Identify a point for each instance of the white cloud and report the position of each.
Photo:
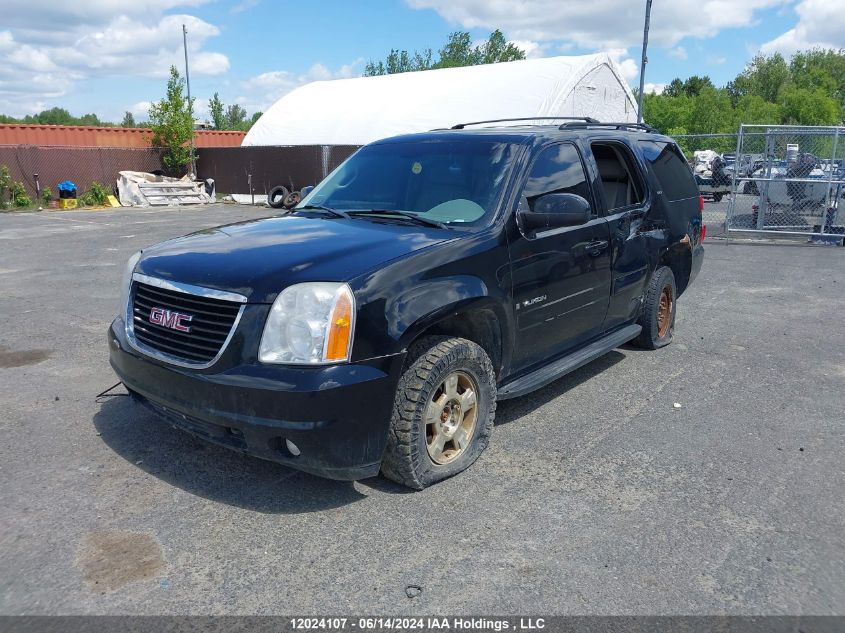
(821, 23)
(600, 24)
(630, 67)
(262, 91)
(142, 109)
(99, 39)
(244, 5)
(44, 15)
(654, 89)
(679, 52)
(531, 48)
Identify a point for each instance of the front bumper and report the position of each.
(337, 416)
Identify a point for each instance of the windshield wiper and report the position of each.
(402, 214)
(320, 207)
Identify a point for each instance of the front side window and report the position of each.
(672, 173)
(557, 169)
(454, 182)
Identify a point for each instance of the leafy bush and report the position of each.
(46, 195)
(19, 195)
(96, 196)
(5, 185)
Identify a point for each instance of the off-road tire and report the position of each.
(653, 335)
(430, 360)
(276, 196)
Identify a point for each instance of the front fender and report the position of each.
(415, 309)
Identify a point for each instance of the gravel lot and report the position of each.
(596, 496)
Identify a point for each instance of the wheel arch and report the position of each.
(678, 257)
(479, 320)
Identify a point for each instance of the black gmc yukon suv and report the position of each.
(375, 326)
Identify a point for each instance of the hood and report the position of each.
(261, 257)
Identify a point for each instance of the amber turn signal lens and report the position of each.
(340, 328)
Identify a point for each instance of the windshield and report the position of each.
(453, 182)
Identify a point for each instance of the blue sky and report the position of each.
(113, 55)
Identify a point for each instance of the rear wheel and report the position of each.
(443, 412)
(658, 314)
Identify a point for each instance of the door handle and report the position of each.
(596, 247)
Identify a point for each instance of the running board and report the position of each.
(543, 376)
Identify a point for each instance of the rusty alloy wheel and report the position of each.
(665, 311)
(450, 417)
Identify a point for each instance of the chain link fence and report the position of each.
(716, 194)
(792, 181)
(40, 167)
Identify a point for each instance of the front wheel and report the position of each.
(443, 412)
(658, 314)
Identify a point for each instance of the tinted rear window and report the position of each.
(672, 173)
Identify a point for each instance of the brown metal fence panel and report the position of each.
(81, 165)
(230, 167)
(291, 166)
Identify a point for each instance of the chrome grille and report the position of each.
(211, 323)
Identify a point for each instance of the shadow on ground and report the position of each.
(512, 410)
(213, 472)
(210, 471)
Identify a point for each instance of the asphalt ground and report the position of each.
(596, 496)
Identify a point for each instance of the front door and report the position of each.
(560, 278)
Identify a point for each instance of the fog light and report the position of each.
(293, 448)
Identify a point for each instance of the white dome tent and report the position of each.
(361, 110)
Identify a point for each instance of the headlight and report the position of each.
(309, 324)
(126, 284)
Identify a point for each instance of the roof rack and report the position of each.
(581, 119)
(616, 126)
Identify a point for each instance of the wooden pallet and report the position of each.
(161, 194)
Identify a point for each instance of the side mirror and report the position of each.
(306, 190)
(553, 211)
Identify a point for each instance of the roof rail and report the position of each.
(616, 126)
(582, 119)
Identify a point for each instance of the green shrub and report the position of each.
(19, 195)
(5, 186)
(46, 195)
(96, 196)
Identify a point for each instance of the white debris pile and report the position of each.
(142, 189)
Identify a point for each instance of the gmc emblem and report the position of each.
(170, 319)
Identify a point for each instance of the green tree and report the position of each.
(764, 77)
(668, 113)
(755, 109)
(820, 69)
(801, 106)
(690, 87)
(235, 117)
(497, 49)
(215, 108)
(173, 125)
(128, 120)
(53, 116)
(255, 117)
(457, 51)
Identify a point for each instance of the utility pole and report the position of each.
(190, 103)
(644, 61)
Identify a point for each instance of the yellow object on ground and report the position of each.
(67, 203)
(113, 201)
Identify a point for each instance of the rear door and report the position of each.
(626, 205)
(677, 205)
(560, 278)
